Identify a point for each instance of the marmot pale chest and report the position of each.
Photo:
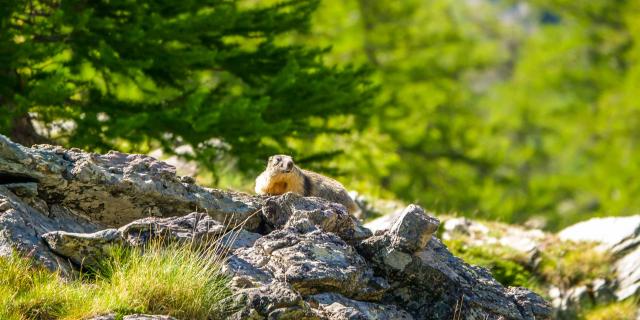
(282, 176)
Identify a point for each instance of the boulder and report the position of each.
(616, 234)
(24, 220)
(117, 188)
(412, 230)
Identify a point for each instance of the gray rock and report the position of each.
(196, 227)
(117, 188)
(628, 274)
(620, 236)
(615, 233)
(317, 262)
(598, 292)
(531, 305)
(306, 214)
(463, 226)
(87, 249)
(21, 225)
(413, 229)
(434, 280)
(147, 317)
(245, 266)
(236, 239)
(25, 189)
(273, 301)
(84, 249)
(337, 307)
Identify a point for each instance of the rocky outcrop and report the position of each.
(47, 188)
(621, 237)
(287, 257)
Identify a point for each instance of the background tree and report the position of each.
(131, 75)
(508, 110)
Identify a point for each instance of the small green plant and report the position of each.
(173, 279)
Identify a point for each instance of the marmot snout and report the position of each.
(282, 176)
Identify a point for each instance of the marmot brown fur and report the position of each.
(282, 176)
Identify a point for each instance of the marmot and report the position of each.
(282, 176)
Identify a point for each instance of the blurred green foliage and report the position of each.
(507, 110)
(136, 75)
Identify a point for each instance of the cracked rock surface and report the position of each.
(288, 257)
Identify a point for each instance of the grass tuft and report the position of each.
(173, 279)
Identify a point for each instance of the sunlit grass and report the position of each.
(172, 280)
(507, 265)
(624, 310)
(562, 264)
(568, 263)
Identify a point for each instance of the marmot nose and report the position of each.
(289, 165)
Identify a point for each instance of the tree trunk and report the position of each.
(24, 133)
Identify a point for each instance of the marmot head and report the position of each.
(280, 164)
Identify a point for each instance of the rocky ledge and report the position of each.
(288, 257)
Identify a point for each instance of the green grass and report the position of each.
(566, 263)
(171, 280)
(623, 310)
(563, 264)
(506, 265)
